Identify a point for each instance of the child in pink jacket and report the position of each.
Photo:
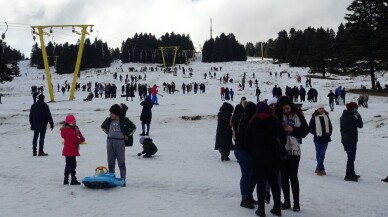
(72, 138)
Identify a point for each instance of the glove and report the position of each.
(51, 126)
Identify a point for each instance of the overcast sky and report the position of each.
(116, 20)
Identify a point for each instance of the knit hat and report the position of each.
(115, 109)
(141, 140)
(352, 105)
(320, 105)
(70, 119)
(262, 107)
(272, 101)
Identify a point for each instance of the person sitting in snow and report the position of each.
(149, 148)
(89, 97)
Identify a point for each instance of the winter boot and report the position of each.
(34, 153)
(245, 203)
(296, 207)
(142, 134)
(385, 180)
(42, 154)
(74, 181)
(251, 200)
(276, 211)
(267, 197)
(260, 211)
(66, 180)
(286, 205)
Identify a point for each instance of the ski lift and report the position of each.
(3, 36)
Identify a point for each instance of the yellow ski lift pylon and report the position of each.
(175, 48)
(41, 33)
(192, 55)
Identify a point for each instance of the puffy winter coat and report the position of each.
(348, 126)
(224, 130)
(262, 137)
(71, 140)
(146, 113)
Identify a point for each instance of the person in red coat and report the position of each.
(72, 137)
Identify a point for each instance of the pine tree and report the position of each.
(367, 36)
(15, 69)
(5, 72)
(281, 45)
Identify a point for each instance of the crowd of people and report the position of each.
(266, 139)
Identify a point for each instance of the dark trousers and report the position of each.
(248, 178)
(331, 104)
(263, 174)
(351, 150)
(71, 165)
(38, 132)
(289, 174)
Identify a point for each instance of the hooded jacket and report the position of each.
(224, 130)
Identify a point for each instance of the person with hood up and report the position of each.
(349, 122)
(296, 128)
(240, 122)
(263, 135)
(72, 137)
(320, 126)
(146, 115)
(224, 142)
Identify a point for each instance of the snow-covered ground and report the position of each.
(186, 177)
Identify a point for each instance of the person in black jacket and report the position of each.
(331, 96)
(242, 153)
(296, 128)
(40, 116)
(320, 126)
(349, 122)
(149, 148)
(263, 135)
(224, 142)
(146, 115)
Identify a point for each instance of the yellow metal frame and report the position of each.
(185, 52)
(175, 51)
(41, 35)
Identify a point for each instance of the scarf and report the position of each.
(293, 145)
(318, 126)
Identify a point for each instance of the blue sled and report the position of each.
(103, 181)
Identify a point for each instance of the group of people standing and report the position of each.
(267, 144)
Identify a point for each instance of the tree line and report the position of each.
(144, 48)
(360, 46)
(223, 48)
(9, 58)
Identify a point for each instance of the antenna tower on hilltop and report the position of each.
(211, 29)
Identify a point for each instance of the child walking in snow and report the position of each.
(72, 138)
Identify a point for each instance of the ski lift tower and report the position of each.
(41, 33)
